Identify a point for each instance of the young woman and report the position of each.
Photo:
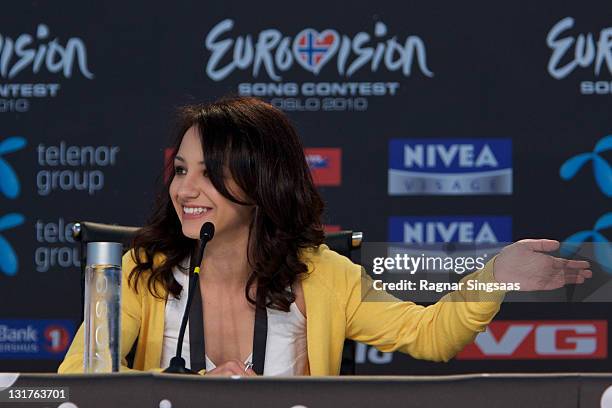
(240, 165)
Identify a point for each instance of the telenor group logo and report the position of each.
(9, 265)
(444, 229)
(325, 165)
(602, 171)
(602, 248)
(10, 188)
(9, 183)
(537, 340)
(450, 167)
(35, 339)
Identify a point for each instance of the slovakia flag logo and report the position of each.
(314, 49)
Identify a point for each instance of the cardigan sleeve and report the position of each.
(435, 332)
(131, 310)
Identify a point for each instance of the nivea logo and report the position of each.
(450, 166)
(274, 52)
(461, 156)
(34, 52)
(443, 229)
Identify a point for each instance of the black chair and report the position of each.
(347, 243)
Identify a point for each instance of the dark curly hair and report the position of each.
(265, 157)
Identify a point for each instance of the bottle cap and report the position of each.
(104, 253)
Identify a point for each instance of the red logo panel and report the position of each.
(325, 165)
(539, 340)
(57, 339)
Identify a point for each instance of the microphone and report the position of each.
(177, 363)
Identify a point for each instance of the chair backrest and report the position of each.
(347, 243)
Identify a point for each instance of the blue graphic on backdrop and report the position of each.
(444, 229)
(8, 258)
(601, 168)
(317, 162)
(9, 183)
(602, 248)
(450, 167)
(9, 187)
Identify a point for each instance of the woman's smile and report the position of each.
(195, 212)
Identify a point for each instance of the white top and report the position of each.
(286, 352)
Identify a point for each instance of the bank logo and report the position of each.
(589, 51)
(315, 49)
(325, 165)
(57, 338)
(450, 167)
(35, 339)
(444, 229)
(602, 248)
(602, 171)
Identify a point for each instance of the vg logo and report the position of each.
(10, 188)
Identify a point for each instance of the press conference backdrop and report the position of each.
(422, 122)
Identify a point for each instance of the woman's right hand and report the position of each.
(232, 367)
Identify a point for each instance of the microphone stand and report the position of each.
(177, 363)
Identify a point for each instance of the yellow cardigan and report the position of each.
(335, 310)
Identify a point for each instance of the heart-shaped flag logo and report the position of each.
(313, 49)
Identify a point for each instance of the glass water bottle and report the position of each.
(103, 307)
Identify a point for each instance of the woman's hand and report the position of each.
(525, 263)
(232, 367)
